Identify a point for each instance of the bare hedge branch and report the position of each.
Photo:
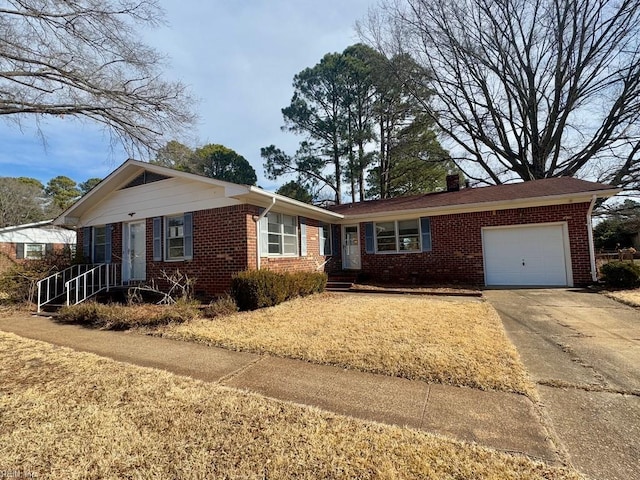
(85, 58)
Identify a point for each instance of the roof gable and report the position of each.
(142, 188)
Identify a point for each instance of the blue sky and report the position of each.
(238, 58)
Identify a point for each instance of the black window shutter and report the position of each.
(86, 244)
(19, 251)
(335, 240)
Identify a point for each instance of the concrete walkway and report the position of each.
(503, 421)
(583, 350)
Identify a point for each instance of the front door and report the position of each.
(350, 247)
(135, 255)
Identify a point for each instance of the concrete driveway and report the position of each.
(583, 351)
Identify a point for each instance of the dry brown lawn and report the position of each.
(71, 415)
(422, 338)
(630, 297)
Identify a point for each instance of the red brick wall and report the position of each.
(80, 243)
(221, 239)
(457, 246)
(312, 262)
(224, 243)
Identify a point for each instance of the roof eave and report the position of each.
(485, 206)
(262, 198)
(26, 225)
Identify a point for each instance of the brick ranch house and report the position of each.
(145, 219)
(32, 241)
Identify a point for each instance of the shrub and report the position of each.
(254, 289)
(620, 274)
(179, 312)
(306, 283)
(19, 282)
(121, 317)
(92, 314)
(220, 307)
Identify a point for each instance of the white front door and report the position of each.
(350, 247)
(135, 255)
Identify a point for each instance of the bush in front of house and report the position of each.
(18, 283)
(308, 283)
(253, 289)
(121, 317)
(621, 274)
(220, 307)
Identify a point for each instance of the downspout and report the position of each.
(592, 252)
(257, 220)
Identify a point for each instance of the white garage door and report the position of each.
(526, 256)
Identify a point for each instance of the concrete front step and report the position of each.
(333, 286)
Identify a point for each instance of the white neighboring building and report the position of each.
(33, 240)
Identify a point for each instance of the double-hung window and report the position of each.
(175, 237)
(398, 236)
(279, 235)
(34, 251)
(96, 244)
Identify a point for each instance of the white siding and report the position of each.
(47, 234)
(165, 197)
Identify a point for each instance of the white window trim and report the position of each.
(165, 239)
(397, 238)
(42, 246)
(281, 235)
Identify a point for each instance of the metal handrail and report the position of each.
(54, 285)
(91, 282)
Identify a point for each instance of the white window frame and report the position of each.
(42, 247)
(167, 238)
(280, 234)
(95, 244)
(396, 237)
(325, 240)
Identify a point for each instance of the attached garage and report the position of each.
(527, 255)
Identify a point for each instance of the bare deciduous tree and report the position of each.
(85, 58)
(526, 89)
(21, 201)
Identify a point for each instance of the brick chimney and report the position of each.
(453, 182)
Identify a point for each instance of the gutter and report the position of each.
(257, 220)
(479, 206)
(592, 251)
